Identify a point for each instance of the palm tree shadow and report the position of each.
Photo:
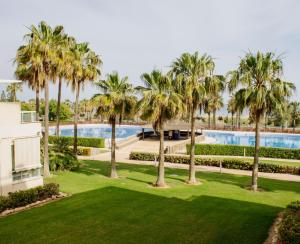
(201, 219)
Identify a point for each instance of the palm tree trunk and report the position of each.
(208, 120)
(192, 170)
(256, 154)
(231, 121)
(37, 102)
(294, 125)
(239, 121)
(161, 168)
(214, 119)
(77, 90)
(266, 121)
(113, 171)
(46, 135)
(58, 106)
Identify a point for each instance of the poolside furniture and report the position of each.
(174, 130)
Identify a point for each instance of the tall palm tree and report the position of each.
(85, 67)
(61, 67)
(260, 75)
(160, 102)
(29, 67)
(214, 86)
(46, 41)
(192, 70)
(295, 113)
(116, 101)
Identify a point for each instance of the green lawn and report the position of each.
(129, 210)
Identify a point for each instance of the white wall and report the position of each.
(10, 113)
(11, 129)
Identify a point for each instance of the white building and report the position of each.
(20, 134)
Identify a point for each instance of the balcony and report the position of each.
(28, 117)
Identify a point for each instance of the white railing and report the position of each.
(28, 116)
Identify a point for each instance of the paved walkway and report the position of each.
(122, 156)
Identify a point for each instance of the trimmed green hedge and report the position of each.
(23, 198)
(226, 163)
(289, 229)
(83, 141)
(237, 150)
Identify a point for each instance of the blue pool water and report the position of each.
(248, 139)
(101, 130)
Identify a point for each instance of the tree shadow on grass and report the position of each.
(117, 215)
(103, 168)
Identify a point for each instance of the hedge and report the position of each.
(23, 198)
(226, 163)
(289, 229)
(237, 150)
(83, 141)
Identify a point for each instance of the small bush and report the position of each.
(61, 161)
(82, 141)
(226, 163)
(289, 229)
(61, 156)
(4, 203)
(84, 151)
(237, 150)
(23, 198)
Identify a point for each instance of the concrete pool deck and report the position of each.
(122, 156)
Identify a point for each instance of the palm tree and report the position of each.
(29, 67)
(160, 102)
(231, 108)
(214, 86)
(116, 101)
(61, 67)
(12, 90)
(85, 67)
(239, 105)
(260, 75)
(208, 108)
(86, 107)
(295, 113)
(192, 70)
(46, 42)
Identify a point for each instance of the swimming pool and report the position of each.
(248, 139)
(98, 130)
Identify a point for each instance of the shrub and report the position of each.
(4, 203)
(23, 198)
(226, 163)
(82, 141)
(237, 150)
(289, 229)
(61, 156)
(61, 161)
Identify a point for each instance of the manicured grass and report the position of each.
(129, 210)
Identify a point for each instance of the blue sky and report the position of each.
(135, 36)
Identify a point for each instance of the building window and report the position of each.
(21, 175)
